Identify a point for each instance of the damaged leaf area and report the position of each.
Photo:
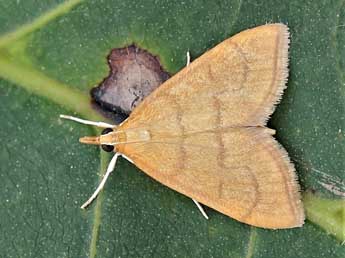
(134, 74)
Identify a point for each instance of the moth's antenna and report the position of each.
(110, 169)
(88, 122)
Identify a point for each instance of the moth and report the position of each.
(203, 132)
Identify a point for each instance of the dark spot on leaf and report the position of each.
(134, 74)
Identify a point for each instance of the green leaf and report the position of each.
(53, 52)
(329, 214)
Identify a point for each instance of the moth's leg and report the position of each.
(201, 209)
(188, 58)
(124, 156)
(110, 169)
(88, 122)
(196, 202)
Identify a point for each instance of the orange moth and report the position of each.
(203, 132)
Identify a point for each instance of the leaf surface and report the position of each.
(53, 52)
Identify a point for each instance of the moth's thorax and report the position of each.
(125, 136)
(137, 135)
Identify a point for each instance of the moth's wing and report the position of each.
(242, 78)
(241, 172)
(199, 143)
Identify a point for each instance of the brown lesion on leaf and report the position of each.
(134, 74)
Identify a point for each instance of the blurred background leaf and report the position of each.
(53, 52)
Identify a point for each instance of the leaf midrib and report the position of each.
(251, 242)
(41, 85)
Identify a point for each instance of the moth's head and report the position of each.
(106, 140)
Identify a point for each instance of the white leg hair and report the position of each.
(201, 209)
(110, 169)
(124, 156)
(88, 122)
(188, 58)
